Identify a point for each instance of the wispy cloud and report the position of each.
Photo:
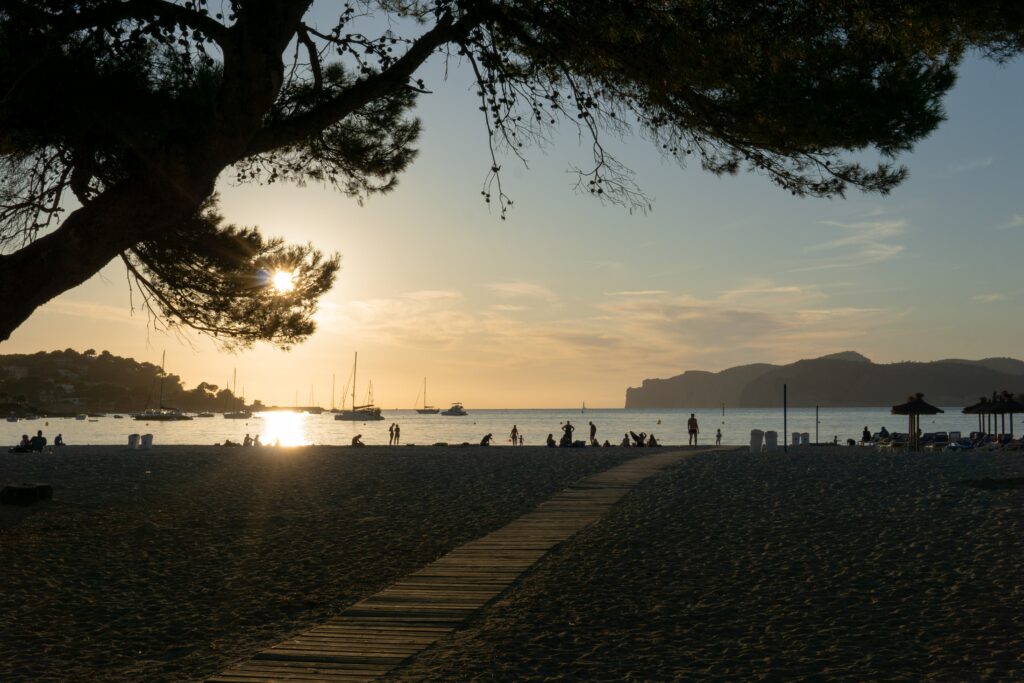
(1017, 221)
(638, 292)
(530, 290)
(86, 309)
(864, 243)
(969, 165)
(990, 298)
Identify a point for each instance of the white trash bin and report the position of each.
(133, 441)
(771, 441)
(147, 442)
(756, 437)
(805, 438)
(796, 439)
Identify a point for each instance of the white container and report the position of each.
(796, 439)
(805, 438)
(133, 441)
(771, 441)
(147, 442)
(756, 437)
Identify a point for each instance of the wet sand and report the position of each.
(170, 565)
(825, 564)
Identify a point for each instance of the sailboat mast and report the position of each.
(424, 392)
(332, 391)
(355, 364)
(163, 361)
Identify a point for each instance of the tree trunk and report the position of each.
(89, 239)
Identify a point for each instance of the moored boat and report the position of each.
(455, 411)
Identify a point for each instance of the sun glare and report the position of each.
(283, 428)
(283, 281)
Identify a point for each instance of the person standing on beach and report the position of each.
(593, 432)
(514, 436)
(693, 429)
(718, 437)
(397, 433)
(391, 434)
(568, 429)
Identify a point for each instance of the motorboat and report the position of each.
(238, 415)
(162, 415)
(455, 411)
(198, 415)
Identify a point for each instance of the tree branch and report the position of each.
(360, 94)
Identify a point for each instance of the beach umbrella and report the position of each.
(1007, 404)
(913, 409)
(980, 408)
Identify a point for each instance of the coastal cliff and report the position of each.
(845, 379)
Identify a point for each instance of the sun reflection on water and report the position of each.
(286, 428)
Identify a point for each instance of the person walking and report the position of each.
(513, 436)
(593, 432)
(693, 429)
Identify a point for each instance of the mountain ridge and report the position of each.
(840, 380)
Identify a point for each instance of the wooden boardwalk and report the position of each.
(385, 630)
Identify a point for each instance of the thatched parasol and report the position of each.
(1006, 404)
(913, 408)
(982, 409)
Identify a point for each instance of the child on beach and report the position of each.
(718, 437)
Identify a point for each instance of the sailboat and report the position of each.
(237, 414)
(161, 414)
(583, 409)
(363, 413)
(427, 410)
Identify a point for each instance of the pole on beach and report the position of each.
(785, 425)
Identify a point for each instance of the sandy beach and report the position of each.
(827, 564)
(170, 565)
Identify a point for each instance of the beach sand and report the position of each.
(823, 564)
(171, 564)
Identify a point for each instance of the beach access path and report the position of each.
(388, 629)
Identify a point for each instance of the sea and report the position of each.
(669, 426)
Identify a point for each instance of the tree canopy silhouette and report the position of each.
(118, 116)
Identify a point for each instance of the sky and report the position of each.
(568, 301)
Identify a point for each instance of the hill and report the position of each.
(68, 382)
(845, 379)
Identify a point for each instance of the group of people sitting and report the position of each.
(36, 444)
(247, 442)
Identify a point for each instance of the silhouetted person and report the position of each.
(58, 440)
(693, 429)
(652, 442)
(718, 437)
(607, 443)
(24, 446)
(865, 435)
(594, 441)
(357, 440)
(593, 432)
(514, 435)
(884, 433)
(638, 439)
(398, 434)
(391, 434)
(522, 439)
(568, 429)
(551, 441)
(247, 441)
(37, 442)
(256, 440)
(486, 441)
(625, 441)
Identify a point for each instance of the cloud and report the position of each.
(529, 290)
(864, 243)
(969, 165)
(990, 298)
(639, 292)
(85, 309)
(1017, 221)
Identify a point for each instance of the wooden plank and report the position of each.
(372, 637)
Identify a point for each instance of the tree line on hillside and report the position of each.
(62, 382)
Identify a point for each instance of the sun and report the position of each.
(283, 281)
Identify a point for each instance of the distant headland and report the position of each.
(846, 379)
